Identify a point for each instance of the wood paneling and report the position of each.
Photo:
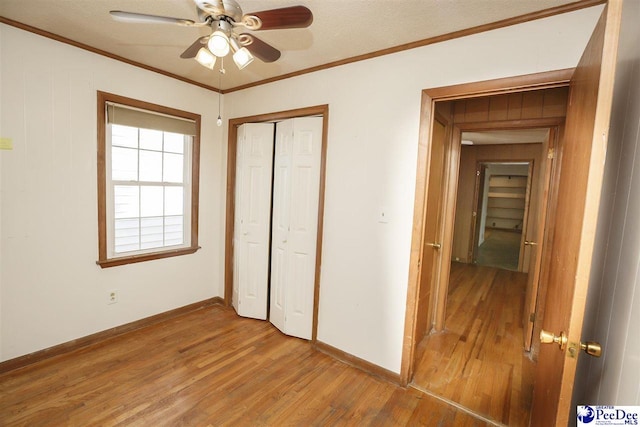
(530, 105)
(211, 367)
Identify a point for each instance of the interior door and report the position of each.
(431, 248)
(529, 225)
(295, 220)
(579, 189)
(536, 240)
(252, 219)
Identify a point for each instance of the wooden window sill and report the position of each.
(114, 262)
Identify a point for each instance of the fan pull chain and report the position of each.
(222, 71)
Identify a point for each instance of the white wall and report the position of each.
(52, 291)
(374, 109)
(612, 315)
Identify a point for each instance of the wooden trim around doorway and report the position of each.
(319, 110)
(536, 81)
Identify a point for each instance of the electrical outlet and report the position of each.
(113, 297)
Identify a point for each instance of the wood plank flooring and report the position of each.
(210, 368)
(500, 249)
(479, 361)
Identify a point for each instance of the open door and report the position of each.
(579, 188)
(534, 243)
(431, 244)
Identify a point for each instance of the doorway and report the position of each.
(478, 311)
(498, 191)
(235, 230)
(501, 210)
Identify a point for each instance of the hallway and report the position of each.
(478, 361)
(500, 249)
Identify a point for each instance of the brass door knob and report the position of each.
(434, 245)
(529, 243)
(551, 338)
(592, 348)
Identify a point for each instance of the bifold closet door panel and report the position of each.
(252, 219)
(295, 222)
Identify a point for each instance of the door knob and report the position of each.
(551, 338)
(591, 348)
(434, 245)
(529, 243)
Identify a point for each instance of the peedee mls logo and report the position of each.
(608, 415)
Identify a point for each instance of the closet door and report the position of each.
(252, 219)
(295, 220)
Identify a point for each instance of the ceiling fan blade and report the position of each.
(275, 19)
(143, 18)
(261, 50)
(192, 50)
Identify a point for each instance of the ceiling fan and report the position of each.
(224, 17)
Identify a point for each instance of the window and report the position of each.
(148, 170)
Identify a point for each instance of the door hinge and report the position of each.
(551, 153)
(477, 173)
(532, 317)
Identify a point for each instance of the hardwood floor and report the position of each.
(210, 368)
(479, 361)
(500, 249)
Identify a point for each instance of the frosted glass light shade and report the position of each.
(206, 58)
(219, 44)
(242, 57)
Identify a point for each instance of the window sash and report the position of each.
(141, 247)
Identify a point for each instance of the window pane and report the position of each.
(151, 201)
(126, 201)
(174, 142)
(173, 230)
(173, 167)
(151, 231)
(173, 201)
(151, 139)
(150, 166)
(124, 136)
(124, 164)
(127, 235)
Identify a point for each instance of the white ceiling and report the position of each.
(341, 29)
(514, 136)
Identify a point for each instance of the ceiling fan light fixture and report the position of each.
(242, 57)
(219, 44)
(206, 58)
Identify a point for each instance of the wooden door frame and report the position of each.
(477, 203)
(545, 80)
(318, 110)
